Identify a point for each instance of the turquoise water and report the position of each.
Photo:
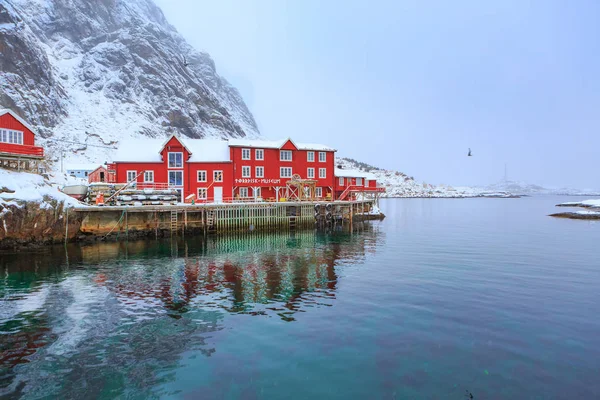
(441, 300)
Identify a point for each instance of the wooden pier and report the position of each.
(207, 219)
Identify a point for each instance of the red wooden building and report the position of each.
(261, 168)
(349, 183)
(192, 166)
(17, 142)
(102, 174)
(226, 170)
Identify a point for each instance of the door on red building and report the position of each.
(218, 191)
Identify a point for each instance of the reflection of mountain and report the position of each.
(118, 312)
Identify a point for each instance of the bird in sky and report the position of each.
(469, 152)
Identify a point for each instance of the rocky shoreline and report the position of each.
(25, 224)
(591, 212)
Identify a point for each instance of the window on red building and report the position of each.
(285, 155)
(131, 175)
(260, 172)
(322, 173)
(176, 178)
(245, 154)
(310, 173)
(202, 193)
(310, 156)
(322, 156)
(285, 172)
(260, 154)
(201, 176)
(245, 171)
(319, 192)
(218, 176)
(149, 176)
(175, 160)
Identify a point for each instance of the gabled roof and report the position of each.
(277, 144)
(21, 120)
(169, 139)
(149, 150)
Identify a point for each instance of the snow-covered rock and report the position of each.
(19, 187)
(88, 73)
(585, 203)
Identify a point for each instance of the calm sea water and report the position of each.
(442, 300)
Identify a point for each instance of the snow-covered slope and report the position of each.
(19, 187)
(96, 71)
(527, 189)
(398, 184)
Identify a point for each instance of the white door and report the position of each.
(218, 194)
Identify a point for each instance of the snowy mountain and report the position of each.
(398, 184)
(87, 73)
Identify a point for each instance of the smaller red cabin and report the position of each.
(102, 174)
(17, 139)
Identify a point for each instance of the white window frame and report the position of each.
(246, 152)
(11, 136)
(260, 174)
(177, 171)
(318, 192)
(202, 190)
(218, 173)
(359, 181)
(322, 156)
(341, 181)
(322, 173)
(259, 154)
(129, 173)
(246, 171)
(308, 156)
(256, 192)
(150, 174)
(310, 173)
(243, 192)
(169, 159)
(282, 158)
(282, 175)
(203, 172)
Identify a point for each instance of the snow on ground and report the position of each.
(586, 203)
(22, 186)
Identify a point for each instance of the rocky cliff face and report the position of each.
(93, 71)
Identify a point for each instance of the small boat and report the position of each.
(76, 191)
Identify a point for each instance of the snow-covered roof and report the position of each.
(353, 173)
(208, 150)
(148, 150)
(277, 144)
(81, 167)
(21, 120)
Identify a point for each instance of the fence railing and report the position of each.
(20, 149)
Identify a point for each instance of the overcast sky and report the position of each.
(411, 85)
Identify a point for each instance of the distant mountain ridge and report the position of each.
(89, 72)
(527, 189)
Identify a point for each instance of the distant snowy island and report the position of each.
(399, 184)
